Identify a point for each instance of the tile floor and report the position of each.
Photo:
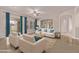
(59, 46)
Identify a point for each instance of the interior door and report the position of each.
(66, 24)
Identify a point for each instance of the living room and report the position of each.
(39, 29)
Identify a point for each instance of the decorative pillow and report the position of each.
(51, 31)
(37, 38)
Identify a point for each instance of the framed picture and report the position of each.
(47, 23)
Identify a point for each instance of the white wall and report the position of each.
(73, 22)
(2, 24)
(74, 13)
(56, 23)
(77, 22)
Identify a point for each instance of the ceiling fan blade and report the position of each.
(32, 11)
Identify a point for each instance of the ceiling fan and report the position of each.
(35, 12)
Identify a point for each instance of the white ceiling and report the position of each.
(49, 11)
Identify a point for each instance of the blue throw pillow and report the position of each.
(51, 31)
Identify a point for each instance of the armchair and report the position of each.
(13, 39)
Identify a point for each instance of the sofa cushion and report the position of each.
(28, 37)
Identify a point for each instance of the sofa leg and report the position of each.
(21, 52)
(43, 51)
(16, 47)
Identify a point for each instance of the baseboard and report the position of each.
(2, 37)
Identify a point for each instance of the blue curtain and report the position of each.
(7, 24)
(21, 25)
(25, 24)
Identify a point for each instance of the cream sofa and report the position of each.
(28, 45)
(28, 37)
(45, 34)
(14, 39)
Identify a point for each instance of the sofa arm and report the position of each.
(41, 44)
(25, 45)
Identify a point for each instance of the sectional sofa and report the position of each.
(27, 44)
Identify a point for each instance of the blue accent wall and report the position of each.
(7, 24)
(25, 24)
